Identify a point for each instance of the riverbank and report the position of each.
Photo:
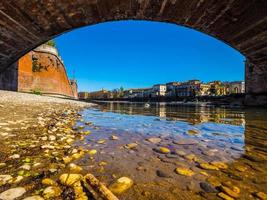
(35, 135)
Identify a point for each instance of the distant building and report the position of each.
(217, 88)
(237, 87)
(171, 89)
(101, 94)
(188, 89)
(83, 95)
(159, 90)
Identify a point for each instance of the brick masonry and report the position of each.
(241, 24)
(44, 72)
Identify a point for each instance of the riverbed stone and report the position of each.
(52, 192)
(114, 137)
(48, 181)
(207, 187)
(261, 195)
(225, 196)
(12, 193)
(92, 152)
(121, 185)
(164, 150)
(4, 179)
(162, 174)
(193, 132)
(220, 165)
(208, 166)
(131, 145)
(184, 171)
(75, 168)
(69, 179)
(154, 140)
(229, 192)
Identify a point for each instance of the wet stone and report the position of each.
(185, 142)
(208, 187)
(162, 174)
(261, 195)
(12, 193)
(154, 140)
(52, 192)
(121, 185)
(225, 196)
(184, 171)
(34, 198)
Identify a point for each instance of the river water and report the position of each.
(212, 153)
(169, 152)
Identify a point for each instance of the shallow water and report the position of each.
(234, 137)
(169, 152)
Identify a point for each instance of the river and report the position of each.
(209, 150)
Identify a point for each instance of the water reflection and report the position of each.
(199, 138)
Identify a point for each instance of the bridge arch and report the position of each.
(241, 24)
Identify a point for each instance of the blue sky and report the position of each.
(139, 54)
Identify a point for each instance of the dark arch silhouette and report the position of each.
(241, 24)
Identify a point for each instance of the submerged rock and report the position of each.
(184, 171)
(225, 196)
(92, 152)
(261, 195)
(12, 193)
(121, 185)
(164, 150)
(75, 168)
(131, 145)
(220, 165)
(208, 166)
(154, 140)
(208, 187)
(114, 137)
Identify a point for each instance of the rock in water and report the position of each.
(121, 185)
(12, 193)
(131, 145)
(154, 140)
(207, 187)
(184, 171)
(69, 179)
(261, 195)
(208, 166)
(162, 174)
(164, 150)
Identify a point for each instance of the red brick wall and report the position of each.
(44, 72)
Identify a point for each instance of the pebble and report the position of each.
(164, 150)
(92, 152)
(37, 197)
(131, 145)
(208, 166)
(261, 195)
(184, 171)
(4, 179)
(208, 187)
(154, 140)
(12, 193)
(15, 156)
(114, 137)
(48, 181)
(229, 192)
(51, 192)
(220, 165)
(75, 168)
(193, 132)
(225, 196)
(121, 185)
(102, 141)
(26, 167)
(69, 179)
(162, 174)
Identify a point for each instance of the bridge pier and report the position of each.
(9, 78)
(256, 84)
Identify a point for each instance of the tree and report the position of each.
(51, 43)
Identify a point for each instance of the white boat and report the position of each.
(147, 105)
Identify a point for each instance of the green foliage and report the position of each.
(51, 43)
(37, 92)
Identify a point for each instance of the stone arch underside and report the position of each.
(241, 24)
